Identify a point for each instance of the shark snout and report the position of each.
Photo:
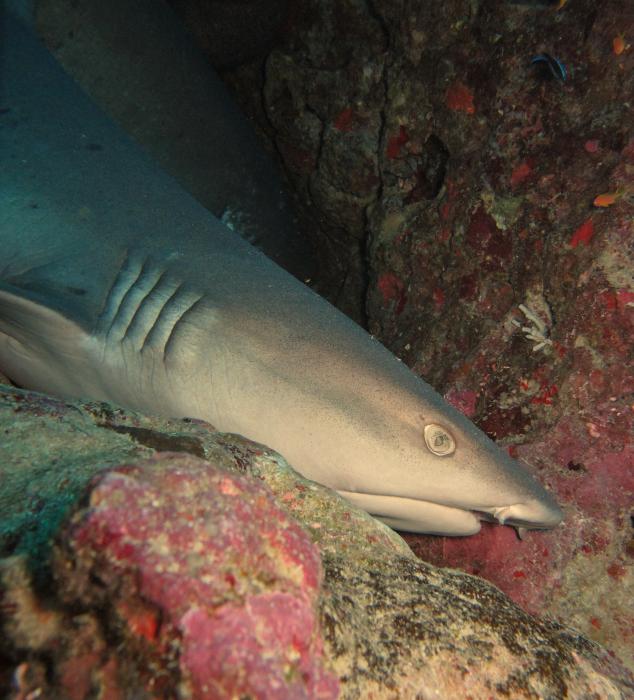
(536, 514)
(448, 480)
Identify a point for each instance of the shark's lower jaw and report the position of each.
(411, 515)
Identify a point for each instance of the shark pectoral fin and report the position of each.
(28, 318)
(31, 333)
(411, 515)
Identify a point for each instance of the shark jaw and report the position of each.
(412, 515)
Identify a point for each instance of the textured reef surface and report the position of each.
(144, 558)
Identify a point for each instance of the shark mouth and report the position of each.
(411, 515)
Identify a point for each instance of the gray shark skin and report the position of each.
(140, 66)
(115, 284)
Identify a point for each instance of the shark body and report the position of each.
(115, 284)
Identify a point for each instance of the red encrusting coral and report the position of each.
(459, 98)
(189, 550)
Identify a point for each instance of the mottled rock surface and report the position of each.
(190, 563)
(453, 181)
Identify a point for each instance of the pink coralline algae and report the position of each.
(344, 120)
(459, 98)
(267, 622)
(393, 289)
(194, 553)
(521, 172)
(465, 401)
(395, 143)
(488, 241)
(583, 234)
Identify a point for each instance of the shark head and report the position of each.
(176, 315)
(426, 468)
(358, 420)
(445, 476)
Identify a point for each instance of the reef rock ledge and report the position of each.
(147, 558)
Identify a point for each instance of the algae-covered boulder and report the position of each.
(149, 558)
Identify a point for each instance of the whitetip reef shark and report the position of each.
(115, 284)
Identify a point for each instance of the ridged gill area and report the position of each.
(144, 306)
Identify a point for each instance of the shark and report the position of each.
(117, 285)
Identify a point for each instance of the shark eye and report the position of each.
(438, 440)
